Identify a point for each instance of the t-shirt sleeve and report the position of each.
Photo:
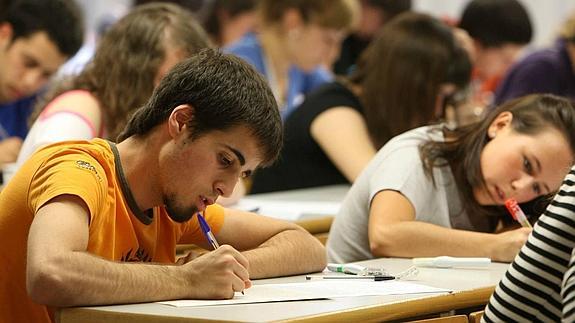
(402, 171)
(214, 216)
(73, 173)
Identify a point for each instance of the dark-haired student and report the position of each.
(549, 70)
(399, 84)
(434, 191)
(499, 30)
(93, 222)
(33, 45)
(101, 98)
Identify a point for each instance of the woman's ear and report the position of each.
(502, 121)
(179, 119)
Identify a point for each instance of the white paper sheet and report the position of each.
(314, 290)
(288, 210)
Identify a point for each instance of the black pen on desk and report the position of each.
(351, 277)
(208, 233)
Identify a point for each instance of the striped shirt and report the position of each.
(540, 283)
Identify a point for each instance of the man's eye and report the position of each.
(225, 161)
(30, 63)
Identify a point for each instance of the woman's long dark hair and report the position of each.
(462, 148)
(401, 72)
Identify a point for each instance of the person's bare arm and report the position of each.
(342, 134)
(393, 232)
(272, 247)
(9, 149)
(61, 273)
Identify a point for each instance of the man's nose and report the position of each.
(225, 187)
(33, 80)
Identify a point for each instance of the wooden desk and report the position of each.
(472, 287)
(318, 225)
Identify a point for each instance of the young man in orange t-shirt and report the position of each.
(77, 212)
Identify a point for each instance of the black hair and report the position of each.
(497, 22)
(224, 91)
(61, 20)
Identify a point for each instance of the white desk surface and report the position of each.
(331, 193)
(471, 287)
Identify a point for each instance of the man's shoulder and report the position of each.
(98, 150)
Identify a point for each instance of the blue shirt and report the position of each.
(14, 117)
(299, 83)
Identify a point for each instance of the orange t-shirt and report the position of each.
(90, 170)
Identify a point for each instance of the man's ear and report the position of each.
(6, 33)
(502, 121)
(179, 119)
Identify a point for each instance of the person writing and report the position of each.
(434, 191)
(401, 83)
(92, 222)
(281, 48)
(33, 45)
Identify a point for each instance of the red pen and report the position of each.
(517, 213)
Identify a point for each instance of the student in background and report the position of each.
(550, 70)
(433, 191)
(400, 83)
(33, 45)
(229, 20)
(130, 60)
(499, 30)
(294, 39)
(539, 284)
(92, 222)
(373, 15)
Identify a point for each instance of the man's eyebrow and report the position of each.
(238, 154)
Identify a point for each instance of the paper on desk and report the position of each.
(314, 290)
(288, 210)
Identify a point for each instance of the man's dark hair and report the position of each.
(224, 91)
(61, 20)
(497, 22)
(391, 8)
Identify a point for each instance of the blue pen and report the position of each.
(207, 231)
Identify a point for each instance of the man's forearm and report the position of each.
(78, 278)
(290, 252)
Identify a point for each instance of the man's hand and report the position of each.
(218, 274)
(9, 149)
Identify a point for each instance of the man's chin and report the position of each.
(182, 216)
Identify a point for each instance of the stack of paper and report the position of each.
(314, 290)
